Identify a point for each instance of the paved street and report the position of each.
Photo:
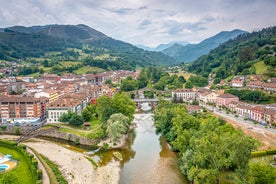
(257, 127)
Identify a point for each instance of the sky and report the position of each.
(145, 22)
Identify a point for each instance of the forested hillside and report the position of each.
(191, 52)
(58, 43)
(251, 53)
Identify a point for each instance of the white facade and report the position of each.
(184, 94)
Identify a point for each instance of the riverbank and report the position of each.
(73, 165)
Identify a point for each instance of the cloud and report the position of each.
(144, 22)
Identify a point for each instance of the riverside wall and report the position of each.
(19, 130)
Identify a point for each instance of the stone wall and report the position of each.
(53, 134)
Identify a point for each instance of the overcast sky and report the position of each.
(147, 22)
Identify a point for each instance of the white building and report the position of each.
(187, 95)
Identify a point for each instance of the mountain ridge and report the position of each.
(19, 42)
(191, 52)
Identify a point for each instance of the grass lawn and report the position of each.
(88, 69)
(261, 68)
(94, 132)
(22, 172)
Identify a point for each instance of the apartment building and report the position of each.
(22, 109)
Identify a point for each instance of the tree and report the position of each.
(65, 117)
(88, 112)
(182, 79)
(103, 108)
(189, 85)
(117, 126)
(119, 103)
(216, 81)
(262, 174)
(76, 120)
(108, 81)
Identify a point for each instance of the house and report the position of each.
(186, 95)
(193, 108)
(260, 85)
(225, 100)
(237, 82)
(207, 97)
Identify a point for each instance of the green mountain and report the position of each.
(75, 43)
(191, 52)
(251, 53)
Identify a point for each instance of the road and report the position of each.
(240, 120)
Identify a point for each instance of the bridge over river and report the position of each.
(152, 101)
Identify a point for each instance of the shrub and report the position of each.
(16, 130)
(3, 128)
(77, 140)
(23, 146)
(34, 162)
(39, 174)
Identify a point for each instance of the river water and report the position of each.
(153, 161)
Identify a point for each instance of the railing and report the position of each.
(28, 132)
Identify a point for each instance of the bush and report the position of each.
(3, 128)
(77, 140)
(39, 174)
(16, 130)
(34, 162)
(23, 146)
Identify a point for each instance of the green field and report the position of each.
(24, 172)
(88, 69)
(261, 68)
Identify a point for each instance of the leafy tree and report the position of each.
(117, 126)
(189, 85)
(182, 79)
(262, 174)
(65, 117)
(119, 103)
(108, 81)
(103, 108)
(129, 84)
(88, 112)
(216, 81)
(76, 120)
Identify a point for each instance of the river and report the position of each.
(153, 162)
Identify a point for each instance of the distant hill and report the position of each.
(83, 42)
(162, 47)
(251, 53)
(191, 52)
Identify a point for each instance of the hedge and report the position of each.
(263, 153)
(258, 153)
